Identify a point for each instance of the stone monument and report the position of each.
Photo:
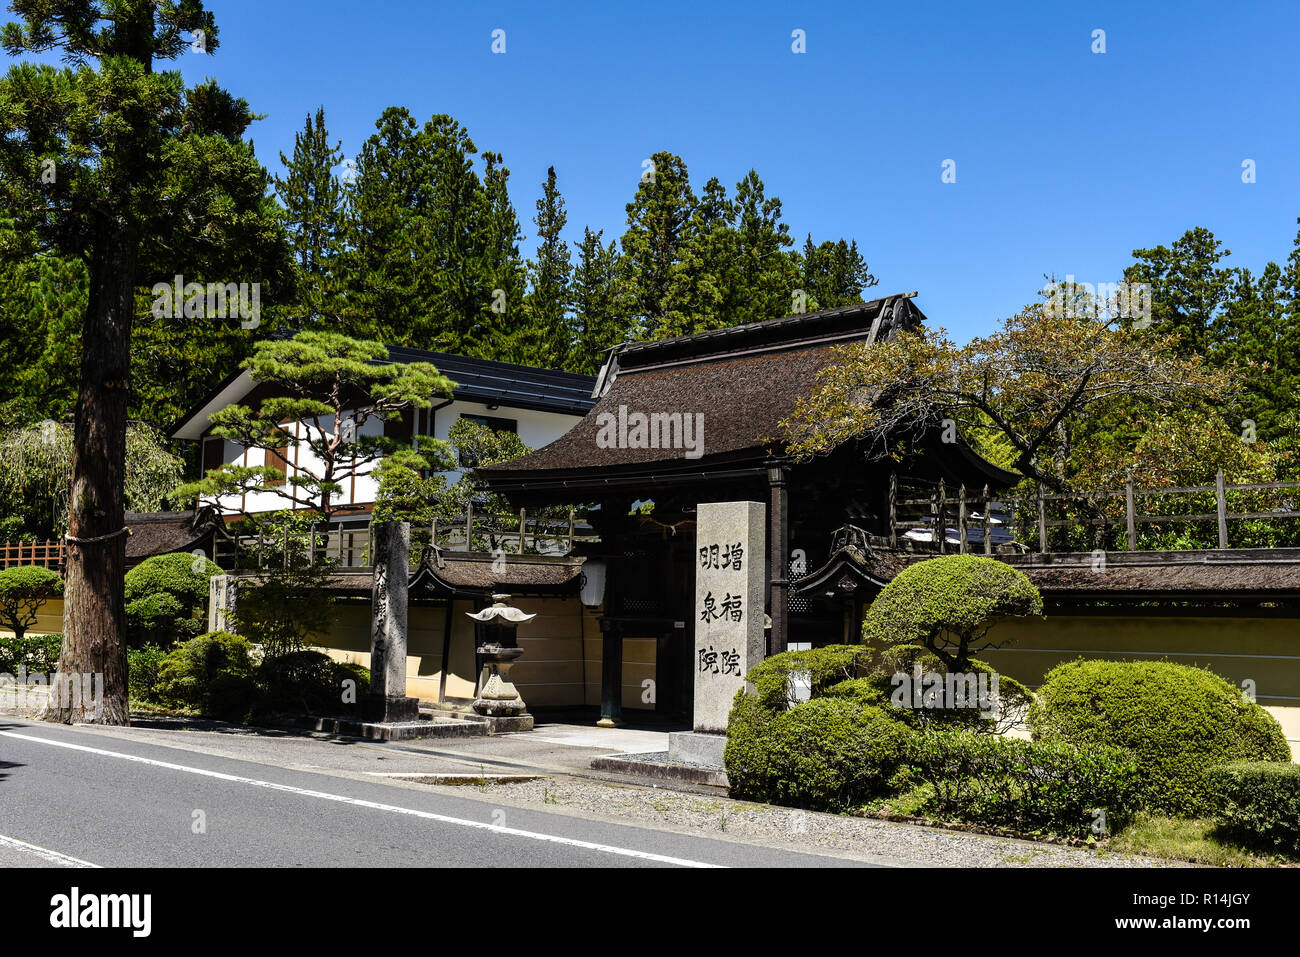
(222, 598)
(730, 562)
(387, 701)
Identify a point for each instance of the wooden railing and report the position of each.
(44, 554)
(351, 547)
(1101, 512)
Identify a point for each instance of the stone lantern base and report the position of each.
(499, 701)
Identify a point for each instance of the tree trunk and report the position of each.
(94, 638)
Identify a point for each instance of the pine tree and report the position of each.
(313, 201)
(1188, 287)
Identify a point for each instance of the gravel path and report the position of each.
(882, 841)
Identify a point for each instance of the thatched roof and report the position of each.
(742, 380)
(445, 573)
(157, 533)
(1238, 574)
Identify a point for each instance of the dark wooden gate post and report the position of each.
(779, 558)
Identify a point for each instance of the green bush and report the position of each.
(1178, 721)
(167, 597)
(1030, 786)
(1257, 803)
(39, 654)
(1010, 699)
(309, 682)
(142, 667)
(825, 754)
(822, 666)
(947, 605)
(212, 674)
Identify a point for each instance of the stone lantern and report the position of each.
(498, 699)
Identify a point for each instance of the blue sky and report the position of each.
(1066, 159)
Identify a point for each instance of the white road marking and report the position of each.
(374, 805)
(54, 857)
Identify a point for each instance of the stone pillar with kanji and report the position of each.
(730, 549)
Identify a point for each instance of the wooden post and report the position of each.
(988, 524)
(522, 530)
(1220, 494)
(941, 520)
(778, 559)
(433, 535)
(1130, 514)
(893, 510)
(571, 535)
(469, 525)
(1042, 520)
(961, 516)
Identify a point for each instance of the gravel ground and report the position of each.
(884, 841)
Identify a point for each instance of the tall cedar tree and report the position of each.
(704, 283)
(89, 157)
(549, 274)
(599, 301)
(313, 201)
(833, 274)
(500, 328)
(766, 273)
(429, 242)
(658, 223)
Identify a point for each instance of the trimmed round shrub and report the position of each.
(948, 604)
(1029, 786)
(212, 674)
(309, 682)
(827, 754)
(1178, 721)
(913, 685)
(1257, 803)
(167, 598)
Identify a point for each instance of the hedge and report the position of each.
(1030, 786)
(309, 682)
(1257, 803)
(826, 754)
(39, 654)
(1178, 721)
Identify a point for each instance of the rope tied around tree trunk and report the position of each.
(68, 536)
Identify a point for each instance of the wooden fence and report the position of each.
(44, 554)
(1101, 512)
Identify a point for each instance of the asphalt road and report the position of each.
(71, 797)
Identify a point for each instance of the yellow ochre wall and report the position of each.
(562, 641)
(49, 619)
(1263, 650)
